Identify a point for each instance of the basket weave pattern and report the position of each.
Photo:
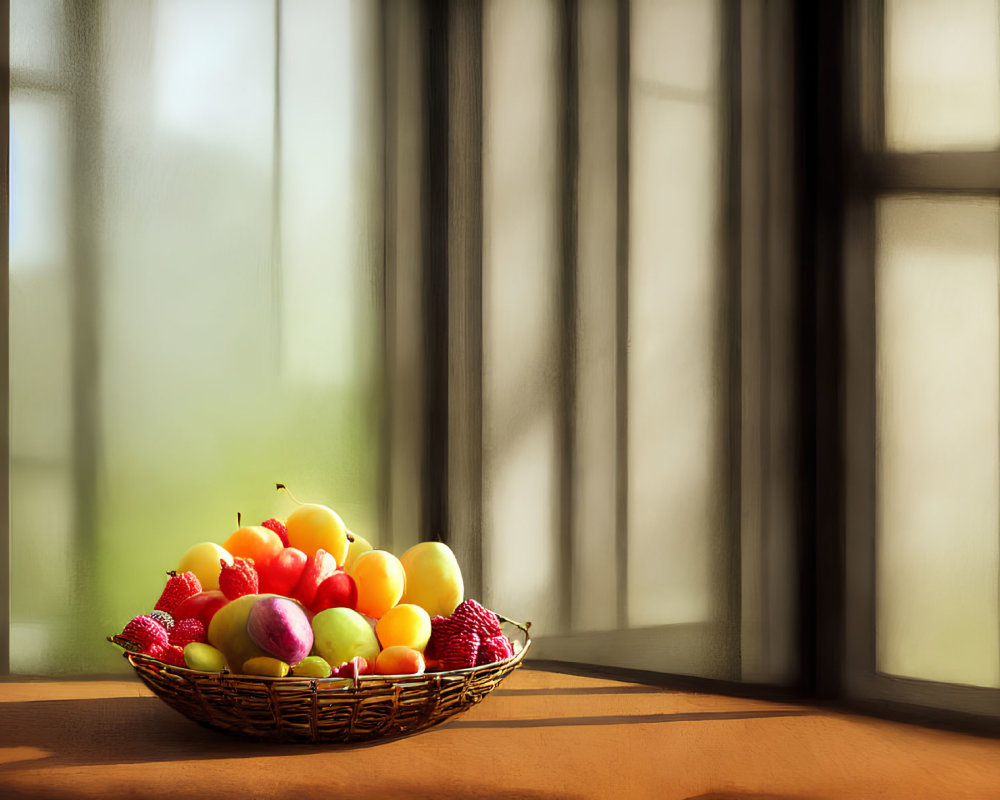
(328, 710)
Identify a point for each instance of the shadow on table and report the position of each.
(128, 730)
(630, 719)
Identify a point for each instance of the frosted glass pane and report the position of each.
(676, 363)
(39, 199)
(674, 44)
(210, 249)
(942, 74)
(36, 34)
(40, 290)
(44, 570)
(938, 439)
(520, 269)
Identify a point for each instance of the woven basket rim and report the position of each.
(323, 710)
(136, 658)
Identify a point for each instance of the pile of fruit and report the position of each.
(308, 598)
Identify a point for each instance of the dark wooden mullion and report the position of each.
(730, 123)
(952, 173)
(621, 314)
(83, 23)
(464, 346)
(388, 98)
(434, 524)
(863, 138)
(570, 152)
(819, 42)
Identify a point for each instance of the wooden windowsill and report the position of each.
(543, 734)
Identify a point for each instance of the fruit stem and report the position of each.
(280, 486)
(239, 520)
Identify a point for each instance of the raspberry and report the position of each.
(494, 648)
(145, 633)
(471, 616)
(459, 651)
(239, 578)
(165, 619)
(186, 631)
(278, 527)
(442, 628)
(178, 589)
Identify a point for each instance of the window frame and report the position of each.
(872, 171)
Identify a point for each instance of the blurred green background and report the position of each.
(194, 312)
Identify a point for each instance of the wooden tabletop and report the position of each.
(541, 735)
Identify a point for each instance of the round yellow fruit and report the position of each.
(433, 578)
(202, 656)
(380, 580)
(312, 527)
(405, 624)
(203, 560)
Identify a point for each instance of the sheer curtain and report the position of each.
(195, 308)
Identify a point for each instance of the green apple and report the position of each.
(340, 634)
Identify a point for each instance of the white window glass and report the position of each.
(520, 273)
(942, 74)
(938, 439)
(36, 41)
(41, 380)
(676, 360)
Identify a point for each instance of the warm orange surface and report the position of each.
(542, 735)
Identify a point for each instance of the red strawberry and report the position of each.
(178, 589)
(459, 651)
(278, 527)
(239, 578)
(186, 631)
(494, 648)
(145, 633)
(173, 654)
(471, 616)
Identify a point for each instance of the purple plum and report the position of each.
(280, 627)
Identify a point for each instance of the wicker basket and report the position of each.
(329, 710)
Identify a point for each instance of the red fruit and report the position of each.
(337, 591)
(494, 648)
(186, 631)
(471, 616)
(318, 568)
(346, 670)
(178, 589)
(172, 654)
(278, 527)
(239, 578)
(442, 628)
(202, 606)
(283, 572)
(145, 634)
(459, 651)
